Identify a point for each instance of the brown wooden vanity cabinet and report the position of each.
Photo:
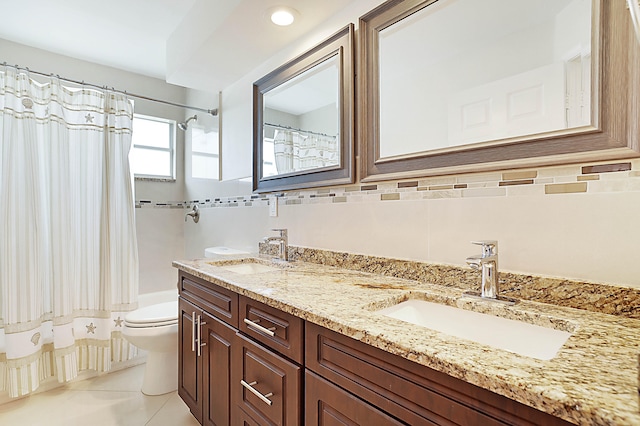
(240, 361)
(246, 363)
(207, 319)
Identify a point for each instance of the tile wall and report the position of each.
(577, 222)
(605, 177)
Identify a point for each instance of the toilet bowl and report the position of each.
(154, 329)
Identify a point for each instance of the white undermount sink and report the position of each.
(248, 268)
(249, 265)
(515, 336)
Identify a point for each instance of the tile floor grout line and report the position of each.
(159, 409)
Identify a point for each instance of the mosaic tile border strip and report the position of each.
(592, 297)
(623, 176)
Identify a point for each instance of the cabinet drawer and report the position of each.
(412, 393)
(278, 330)
(240, 418)
(265, 385)
(217, 301)
(327, 404)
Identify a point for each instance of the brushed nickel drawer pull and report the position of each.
(250, 387)
(200, 345)
(193, 331)
(260, 328)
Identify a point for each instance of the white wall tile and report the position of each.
(582, 236)
(160, 241)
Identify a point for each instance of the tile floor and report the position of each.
(109, 400)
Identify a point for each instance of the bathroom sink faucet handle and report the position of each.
(489, 247)
(283, 243)
(283, 232)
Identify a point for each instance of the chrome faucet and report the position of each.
(487, 263)
(283, 240)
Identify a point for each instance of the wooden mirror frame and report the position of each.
(613, 134)
(340, 44)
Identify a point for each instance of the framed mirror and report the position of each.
(303, 119)
(453, 86)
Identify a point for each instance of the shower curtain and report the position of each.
(68, 253)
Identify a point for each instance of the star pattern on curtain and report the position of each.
(88, 118)
(118, 321)
(91, 328)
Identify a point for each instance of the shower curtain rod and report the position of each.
(213, 112)
(279, 126)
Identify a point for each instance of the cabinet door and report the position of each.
(327, 405)
(189, 364)
(265, 385)
(217, 338)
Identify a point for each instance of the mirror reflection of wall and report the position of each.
(205, 152)
(483, 71)
(301, 121)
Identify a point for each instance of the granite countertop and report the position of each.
(592, 380)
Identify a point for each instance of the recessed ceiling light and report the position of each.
(282, 15)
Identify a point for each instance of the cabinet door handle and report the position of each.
(193, 331)
(250, 387)
(200, 345)
(254, 324)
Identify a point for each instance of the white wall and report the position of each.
(159, 231)
(589, 236)
(592, 236)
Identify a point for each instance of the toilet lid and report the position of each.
(154, 315)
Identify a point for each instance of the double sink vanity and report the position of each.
(264, 341)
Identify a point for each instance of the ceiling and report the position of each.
(201, 44)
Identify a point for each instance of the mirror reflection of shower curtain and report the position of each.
(295, 150)
(283, 147)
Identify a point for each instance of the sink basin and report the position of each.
(515, 336)
(249, 268)
(249, 265)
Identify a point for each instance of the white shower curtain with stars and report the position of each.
(68, 251)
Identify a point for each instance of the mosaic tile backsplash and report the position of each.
(549, 181)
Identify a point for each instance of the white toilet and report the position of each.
(154, 329)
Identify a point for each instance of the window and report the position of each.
(205, 154)
(153, 153)
(268, 158)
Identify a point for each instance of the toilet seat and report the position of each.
(161, 314)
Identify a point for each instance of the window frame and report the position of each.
(171, 150)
